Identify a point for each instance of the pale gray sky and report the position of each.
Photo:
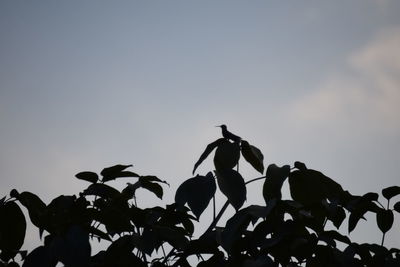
(88, 84)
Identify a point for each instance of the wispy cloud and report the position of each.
(365, 95)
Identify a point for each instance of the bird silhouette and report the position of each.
(228, 135)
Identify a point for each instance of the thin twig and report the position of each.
(214, 208)
(255, 179)
(215, 221)
(383, 239)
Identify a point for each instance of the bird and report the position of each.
(228, 135)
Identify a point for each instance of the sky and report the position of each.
(88, 84)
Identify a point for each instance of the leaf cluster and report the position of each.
(306, 229)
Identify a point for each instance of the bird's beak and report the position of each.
(218, 126)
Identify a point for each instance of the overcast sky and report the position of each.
(89, 84)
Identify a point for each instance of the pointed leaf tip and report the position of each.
(210, 147)
(117, 171)
(88, 176)
(197, 193)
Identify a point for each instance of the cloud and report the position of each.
(366, 95)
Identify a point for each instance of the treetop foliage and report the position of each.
(278, 232)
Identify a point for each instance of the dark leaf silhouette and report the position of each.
(205, 244)
(371, 196)
(232, 185)
(12, 229)
(310, 186)
(197, 193)
(116, 171)
(397, 207)
(119, 253)
(334, 235)
(173, 235)
(234, 229)
(236, 225)
(209, 149)
(88, 176)
(274, 180)
(145, 182)
(390, 192)
(36, 207)
(384, 219)
(40, 256)
(101, 190)
(152, 178)
(72, 248)
(97, 232)
(227, 155)
(152, 187)
(261, 261)
(359, 207)
(253, 155)
(337, 215)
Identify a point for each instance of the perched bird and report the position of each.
(228, 135)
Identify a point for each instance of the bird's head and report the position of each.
(223, 126)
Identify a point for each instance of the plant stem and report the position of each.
(214, 208)
(255, 179)
(215, 221)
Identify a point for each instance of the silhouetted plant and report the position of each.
(279, 232)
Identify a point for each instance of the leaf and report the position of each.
(232, 185)
(337, 216)
(152, 187)
(101, 190)
(40, 256)
(234, 228)
(88, 176)
(227, 155)
(397, 207)
(309, 187)
(116, 171)
(361, 206)
(173, 235)
(152, 178)
(371, 196)
(275, 178)
(36, 207)
(334, 235)
(384, 219)
(238, 223)
(391, 191)
(12, 229)
(253, 156)
(97, 232)
(122, 174)
(197, 193)
(73, 247)
(120, 253)
(260, 261)
(210, 147)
